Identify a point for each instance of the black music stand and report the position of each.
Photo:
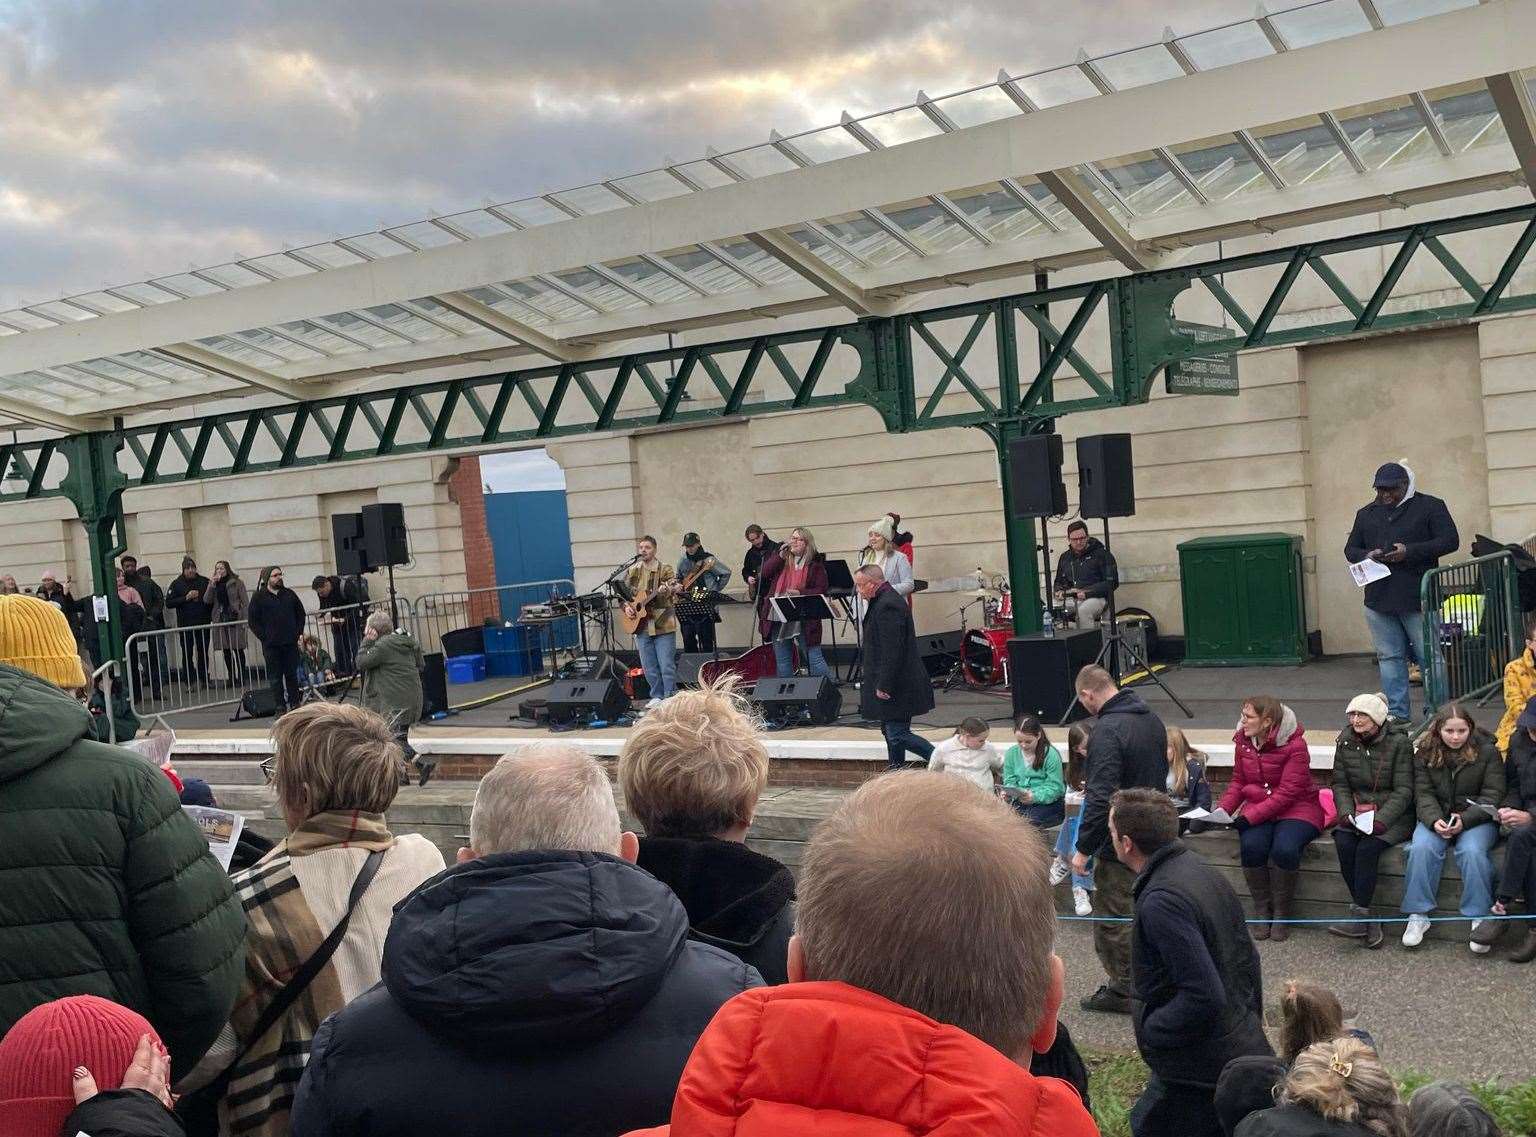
(799, 609)
(840, 588)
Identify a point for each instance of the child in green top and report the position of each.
(1032, 777)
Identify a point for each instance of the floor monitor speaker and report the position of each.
(1042, 670)
(384, 533)
(1034, 476)
(940, 652)
(811, 699)
(591, 700)
(1106, 480)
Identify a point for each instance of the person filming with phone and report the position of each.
(1408, 532)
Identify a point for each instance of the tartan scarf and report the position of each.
(282, 935)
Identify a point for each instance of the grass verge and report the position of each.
(1116, 1080)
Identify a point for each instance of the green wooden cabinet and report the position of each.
(1243, 600)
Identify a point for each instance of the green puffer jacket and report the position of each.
(391, 667)
(106, 886)
(1441, 792)
(1379, 771)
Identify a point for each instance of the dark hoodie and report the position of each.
(1094, 572)
(542, 992)
(1128, 750)
(736, 899)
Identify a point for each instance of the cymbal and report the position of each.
(987, 594)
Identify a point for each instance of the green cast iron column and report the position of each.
(95, 485)
(1023, 575)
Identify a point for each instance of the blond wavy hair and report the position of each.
(334, 756)
(695, 765)
(1344, 1080)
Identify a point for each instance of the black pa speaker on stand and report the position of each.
(384, 533)
(1034, 476)
(1106, 477)
(351, 546)
(801, 700)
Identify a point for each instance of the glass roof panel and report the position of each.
(117, 370)
(1299, 148)
(187, 284)
(1380, 130)
(460, 324)
(534, 211)
(1317, 23)
(279, 264)
(999, 213)
(705, 174)
(930, 226)
(554, 305)
(649, 279)
(604, 293)
(240, 351)
(759, 161)
(28, 320)
(1465, 112)
(827, 145)
(1137, 68)
(1106, 199)
(1221, 166)
(425, 235)
(146, 293)
(508, 306)
(865, 238)
(263, 340)
(406, 323)
(972, 108)
(330, 255)
(816, 244)
(591, 199)
(59, 311)
(98, 383)
(767, 269)
(1143, 180)
(377, 245)
(478, 223)
(349, 324)
(319, 337)
(1222, 47)
(895, 127)
(171, 369)
(699, 266)
(1052, 88)
(1402, 11)
(653, 185)
(233, 275)
(103, 300)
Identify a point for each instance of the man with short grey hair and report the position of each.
(544, 978)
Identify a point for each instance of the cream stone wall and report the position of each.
(252, 521)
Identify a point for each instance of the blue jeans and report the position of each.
(899, 739)
(1426, 860)
(1276, 842)
(658, 655)
(1041, 816)
(784, 660)
(1397, 636)
(1066, 848)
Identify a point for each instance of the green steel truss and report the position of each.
(1008, 366)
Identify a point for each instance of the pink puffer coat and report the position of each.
(1273, 782)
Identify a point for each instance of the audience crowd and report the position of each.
(566, 976)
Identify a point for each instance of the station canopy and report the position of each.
(1316, 113)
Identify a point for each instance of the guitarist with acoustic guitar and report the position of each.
(648, 613)
(698, 564)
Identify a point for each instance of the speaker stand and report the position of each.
(1109, 655)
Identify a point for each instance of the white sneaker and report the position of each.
(1477, 948)
(1413, 934)
(1083, 903)
(1060, 870)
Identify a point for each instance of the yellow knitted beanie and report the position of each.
(35, 636)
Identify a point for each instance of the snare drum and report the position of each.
(984, 656)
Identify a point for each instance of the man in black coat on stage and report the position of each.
(895, 688)
(277, 617)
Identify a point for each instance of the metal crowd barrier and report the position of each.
(208, 665)
(1472, 627)
(455, 623)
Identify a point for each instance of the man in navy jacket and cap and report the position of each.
(1408, 532)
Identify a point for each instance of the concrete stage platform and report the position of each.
(844, 753)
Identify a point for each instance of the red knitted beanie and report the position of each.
(39, 1054)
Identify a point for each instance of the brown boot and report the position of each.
(1283, 886)
(1527, 949)
(1263, 901)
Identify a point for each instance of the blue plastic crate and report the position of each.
(466, 668)
(500, 664)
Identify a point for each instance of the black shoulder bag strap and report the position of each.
(305, 975)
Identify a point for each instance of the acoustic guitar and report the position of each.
(633, 624)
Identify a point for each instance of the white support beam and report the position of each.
(793, 255)
(203, 359)
(1072, 191)
(34, 415)
(1512, 98)
(1438, 51)
(492, 320)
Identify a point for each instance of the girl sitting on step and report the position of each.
(1066, 840)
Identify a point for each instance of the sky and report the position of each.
(144, 137)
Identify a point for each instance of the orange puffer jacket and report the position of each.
(833, 1060)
